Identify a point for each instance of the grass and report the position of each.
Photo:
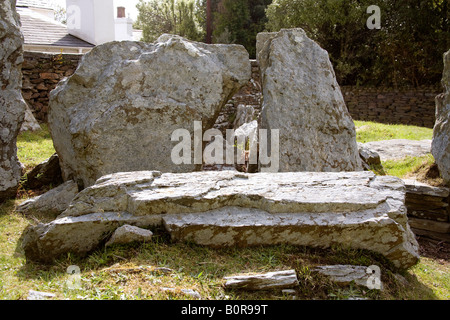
(133, 272)
(371, 131)
(34, 147)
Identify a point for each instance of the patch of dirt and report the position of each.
(433, 249)
(427, 173)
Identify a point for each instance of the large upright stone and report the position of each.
(12, 105)
(223, 209)
(303, 100)
(118, 111)
(440, 147)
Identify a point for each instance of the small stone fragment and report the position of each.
(263, 281)
(128, 234)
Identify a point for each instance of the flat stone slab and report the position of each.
(263, 281)
(399, 148)
(345, 274)
(356, 209)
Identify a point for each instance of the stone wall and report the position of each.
(410, 106)
(413, 106)
(428, 210)
(41, 73)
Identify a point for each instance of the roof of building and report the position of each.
(44, 4)
(40, 31)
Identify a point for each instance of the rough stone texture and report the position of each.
(128, 234)
(12, 105)
(368, 157)
(345, 274)
(263, 281)
(414, 106)
(355, 209)
(37, 295)
(441, 132)
(45, 173)
(427, 202)
(53, 202)
(118, 111)
(399, 148)
(303, 100)
(29, 123)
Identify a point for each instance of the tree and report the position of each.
(169, 16)
(239, 21)
(406, 51)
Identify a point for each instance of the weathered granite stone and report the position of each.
(53, 202)
(45, 173)
(29, 123)
(12, 105)
(118, 111)
(263, 281)
(441, 131)
(303, 100)
(396, 149)
(355, 209)
(128, 234)
(368, 156)
(346, 274)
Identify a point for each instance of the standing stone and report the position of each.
(441, 135)
(12, 105)
(118, 111)
(303, 100)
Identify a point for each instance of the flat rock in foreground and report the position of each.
(221, 209)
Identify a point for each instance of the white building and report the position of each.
(89, 23)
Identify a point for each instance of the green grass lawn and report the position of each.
(34, 147)
(371, 131)
(114, 273)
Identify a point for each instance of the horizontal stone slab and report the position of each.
(356, 209)
(263, 281)
(416, 187)
(434, 226)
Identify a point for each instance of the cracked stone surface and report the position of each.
(219, 209)
(399, 148)
(441, 131)
(303, 100)
(12, 105)
(118, 111)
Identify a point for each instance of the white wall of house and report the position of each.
(91, 20)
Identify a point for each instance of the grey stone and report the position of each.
(29, 123)
(12, 105)
(220, 209)
(303, 100)
(128, 234)
(263, 281)
(369, 157)
(45, 173)
(346, 274)
(118, 111)
(396, 149)
(37, 295)
(53, 202)
(441, 131)
(244, 114)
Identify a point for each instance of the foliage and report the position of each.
(178, 17)
(406, 51)
(239, 21)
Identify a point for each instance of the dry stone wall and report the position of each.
(41, 73)
(411, 106)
